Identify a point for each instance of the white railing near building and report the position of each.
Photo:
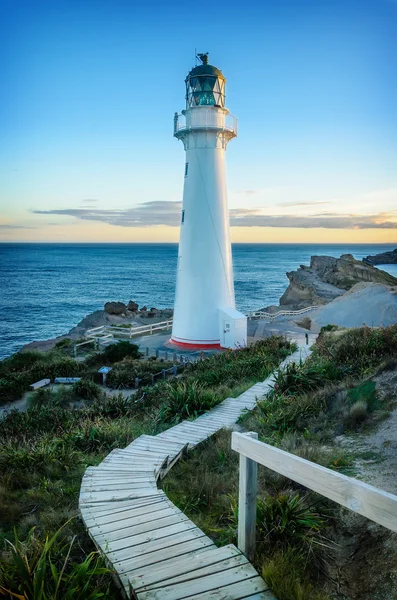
(110, 331)
(357, 496)
(261, 314)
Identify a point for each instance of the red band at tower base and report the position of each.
(195, 344)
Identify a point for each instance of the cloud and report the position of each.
(89, 201)
(301, 203)
(161, 212)
(146, 214)
(247, 192)
(9, 226)
(253, 218)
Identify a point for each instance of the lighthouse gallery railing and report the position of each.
(206, 120)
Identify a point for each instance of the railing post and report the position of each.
(247, 503)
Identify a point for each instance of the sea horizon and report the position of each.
(49, 287)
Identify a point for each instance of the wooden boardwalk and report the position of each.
(156, 551)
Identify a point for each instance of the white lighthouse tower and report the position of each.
(204, 311)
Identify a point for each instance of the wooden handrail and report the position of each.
(362, 498)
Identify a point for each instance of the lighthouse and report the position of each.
(204, 312)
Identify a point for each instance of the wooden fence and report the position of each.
(357, 496)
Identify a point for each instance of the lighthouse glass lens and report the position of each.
(205, 91)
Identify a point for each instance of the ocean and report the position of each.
(46, 289)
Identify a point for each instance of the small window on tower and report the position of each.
(186, 169)
(183, 216)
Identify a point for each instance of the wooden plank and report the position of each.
(184, 437)
(248, 483)
(149, 575)
(134, 541)
(131, 518)
(155, 438)
(118, 478)
(108, 496)
(149, 563)
(123, 554)
(114, 487)
(97, 511)
(235, 591)
(200, 572)
(132, 459)
(201, 585)
(132, 529)
(357, 496)
(120, 469)
(112, 519)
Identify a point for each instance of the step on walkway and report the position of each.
(156, 551)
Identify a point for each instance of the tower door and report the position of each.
(227, 336)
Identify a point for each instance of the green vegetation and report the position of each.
(45, 451)
(124, 373)
(116, 352)
(42, 573)
(311, 403)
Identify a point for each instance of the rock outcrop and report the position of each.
(327, 278)
(385, 258)
(132, 306)
(115, 308)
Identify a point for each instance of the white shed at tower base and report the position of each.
(232, 328)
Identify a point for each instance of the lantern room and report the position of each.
(205, 85)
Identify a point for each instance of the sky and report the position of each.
(90, 87)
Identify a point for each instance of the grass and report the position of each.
(38, 570)
(286, 573)
(45, 450)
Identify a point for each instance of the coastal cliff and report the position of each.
(328, 278)
(385, 258)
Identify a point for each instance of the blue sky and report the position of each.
(89, 92)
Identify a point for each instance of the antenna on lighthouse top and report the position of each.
(203, 58)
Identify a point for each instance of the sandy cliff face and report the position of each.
(327, 278)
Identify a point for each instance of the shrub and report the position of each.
(302, 378)
(288, 521)
(21, 361)
(365, 392)
(124, 373)
(357, 414)
(87, 390)
(13, 386)
(64, 343)
(329, 327)
(61, 396)
(116, 352)
(282, 413)
(185, 399)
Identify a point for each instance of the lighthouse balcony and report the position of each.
(205, 120)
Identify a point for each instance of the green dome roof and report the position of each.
(205, 70)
